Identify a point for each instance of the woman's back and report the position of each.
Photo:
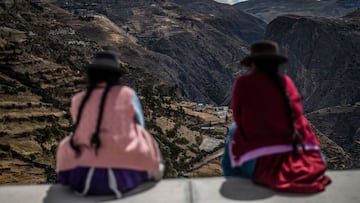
(261, 109)
(118, 116)
(273, 143)
(124, 143)
(109, 151)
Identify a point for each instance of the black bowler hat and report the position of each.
(107, 61)
(264, 50)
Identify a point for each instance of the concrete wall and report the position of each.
(344, 189)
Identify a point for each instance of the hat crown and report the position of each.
(106, 58)
(264, 47)
(264, 50)
(107, 61)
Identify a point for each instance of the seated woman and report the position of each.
(271, 142)
(109, 151)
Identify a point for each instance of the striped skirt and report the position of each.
(102, 181)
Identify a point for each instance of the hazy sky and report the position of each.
(230, 1)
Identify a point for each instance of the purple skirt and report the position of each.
(102, 181)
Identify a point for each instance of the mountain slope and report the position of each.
(35, 89)
(183, 35)
(42, 53)
(324, 58)
(269, 10)
(341, 124)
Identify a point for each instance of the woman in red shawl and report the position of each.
(272, 142)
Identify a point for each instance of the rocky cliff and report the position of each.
(324, 58)
(269, 10)
(201, 49)
(325, 65)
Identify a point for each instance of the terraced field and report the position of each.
(29, 132)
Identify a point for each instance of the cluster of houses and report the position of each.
(220, 111)
(223, 113)
(62, 31)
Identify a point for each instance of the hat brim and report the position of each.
(113, 69)
(280, 59)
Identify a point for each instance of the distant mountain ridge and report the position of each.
(269, 10)
(228, 19)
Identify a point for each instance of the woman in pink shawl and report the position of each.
(109, 151)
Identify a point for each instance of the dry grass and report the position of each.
(30, 112)
(165, 123)
(22, 127)
(210, 169)
(15, 171)
(24, 146)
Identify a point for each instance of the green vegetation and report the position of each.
(51, 176)
(151, 125)
(181, 141)
(171, 133)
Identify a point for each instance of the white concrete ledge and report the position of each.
(345, 188)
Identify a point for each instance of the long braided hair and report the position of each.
(271, 67)
(95, 76)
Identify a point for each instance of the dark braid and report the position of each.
(95, 77)
(75, 147)
(104, 69)
(271, 68)
(95, 139)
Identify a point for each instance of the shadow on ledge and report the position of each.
(244, 189)
(61, 194)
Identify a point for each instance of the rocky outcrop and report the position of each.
(324, 58)
(325, 65)
(269, 10)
